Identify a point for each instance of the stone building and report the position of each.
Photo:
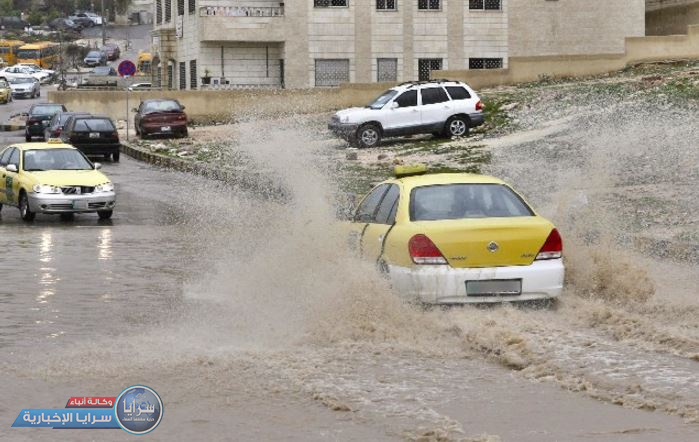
(317, 43)
(671, 17)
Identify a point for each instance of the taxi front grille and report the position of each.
(77, 190)
(59, 206)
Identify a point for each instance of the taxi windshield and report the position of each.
(55, 159)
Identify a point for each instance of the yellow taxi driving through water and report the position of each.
(454, 238)
(53, 178)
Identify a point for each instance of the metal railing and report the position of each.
(241, 11)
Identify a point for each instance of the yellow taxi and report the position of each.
(53, 178)
(454, 238)
(5, 92)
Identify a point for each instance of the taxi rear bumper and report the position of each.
(61, 203)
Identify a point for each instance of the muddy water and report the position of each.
(252, 321)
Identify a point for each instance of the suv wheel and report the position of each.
(457, 127)
(368, 135)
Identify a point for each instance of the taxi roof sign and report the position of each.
(54, 141)
(404, 171)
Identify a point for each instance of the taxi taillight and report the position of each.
(552, 248)
(423, 251)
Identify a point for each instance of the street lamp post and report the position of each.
(104, 26)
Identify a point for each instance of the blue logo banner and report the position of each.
(67, 418)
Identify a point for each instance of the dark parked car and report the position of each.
(160, 117)
(93, 135)
(112, 51)
(55, 127)
(39, 117)
(95, 58)
(12, 23)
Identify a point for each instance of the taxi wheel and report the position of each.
(24, 210)
(105, 214)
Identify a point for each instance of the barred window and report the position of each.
(180, 7)
(429, 4)
(386, 69)
(425, 66)
(168, 10)
(330, 3)
(158, 12)
(192, 6)
(332, 72)
(193, 77)
(386, 4)
(485, 63)
(170, 75)
(183, 76)
(487, 5)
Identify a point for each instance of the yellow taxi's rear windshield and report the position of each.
(459, 201)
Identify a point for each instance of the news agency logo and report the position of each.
(138, 409)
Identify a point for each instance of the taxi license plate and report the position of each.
(165, 129)
(94, 134)
(494, 287)
(80, 205)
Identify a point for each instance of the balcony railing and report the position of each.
(241, 11)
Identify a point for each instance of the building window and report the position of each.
(330, 3)
(192, 6)
(386, 5)
(193, 74)
(170, 75)
(158, 12)
(425, 66)
(183, 76)
(168, 11)
(487, 5)
(429, 4)
(332, 72)
(180, 7)
(485, 63)
(386, 69)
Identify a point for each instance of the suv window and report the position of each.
(407, 99)
(387, 206)
(366, 210)
(433, 95)
(5, 156)
(458, 93)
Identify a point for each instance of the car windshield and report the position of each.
(55, 159)
(46, 109)
(21, 80)
(459, 201)
(384, 98)
(161, 106)
(94, 54)
(94, 125)
(3, 84)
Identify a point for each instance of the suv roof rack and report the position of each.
(436, 80)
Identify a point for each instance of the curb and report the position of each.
(11, 127)
(240, 179)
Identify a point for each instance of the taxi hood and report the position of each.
(68, 177)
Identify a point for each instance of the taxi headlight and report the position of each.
(106, 187)
(46, 188)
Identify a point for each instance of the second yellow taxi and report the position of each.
(53, 178)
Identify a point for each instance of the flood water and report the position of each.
(249, 317)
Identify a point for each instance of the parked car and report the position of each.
(112, 51)
(25, 87)
(96, 19)
(93, 135)
(141, 86)
(37, 68)
(39, 117)
(443, 108)
(456, 238)
(82, 19)
(65, 24)
(5, 92)
(95, 58)
(24, 71)
(101, 76)
(58, 121)
(160, 117)
(54, 178)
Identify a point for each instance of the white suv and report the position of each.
(439, 107)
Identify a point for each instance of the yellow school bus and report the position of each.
(144, 64)
(44, 53)
(8, 50)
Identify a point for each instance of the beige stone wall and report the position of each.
(568, 27)
(672, 20)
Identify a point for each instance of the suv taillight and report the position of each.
(552, 248)
(479, 106)
(423, 251)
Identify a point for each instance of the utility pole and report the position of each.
(104, 26)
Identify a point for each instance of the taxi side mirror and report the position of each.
(11, 168)
(98, 166)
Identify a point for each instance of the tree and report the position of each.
(6, 7)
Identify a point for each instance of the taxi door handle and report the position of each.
(381, 238)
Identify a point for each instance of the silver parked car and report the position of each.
(25, 87)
